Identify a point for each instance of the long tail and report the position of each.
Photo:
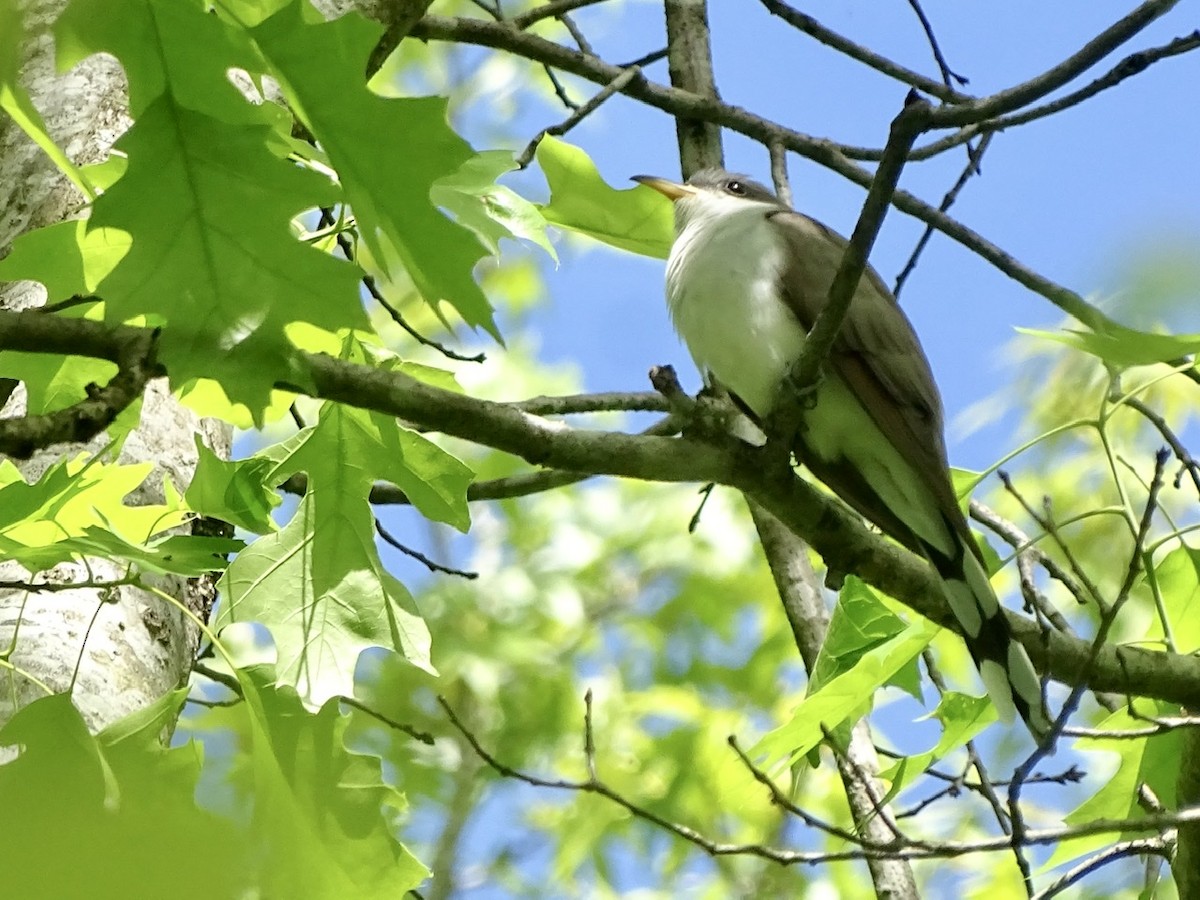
(1004, 665)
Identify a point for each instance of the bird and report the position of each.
(745, 279)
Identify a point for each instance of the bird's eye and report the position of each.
(735, 187)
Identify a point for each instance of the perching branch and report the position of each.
(840, 537)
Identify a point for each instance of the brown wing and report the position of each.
(878, 356)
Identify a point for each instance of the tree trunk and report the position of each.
(117, 651)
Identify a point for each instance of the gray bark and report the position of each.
(119, 652)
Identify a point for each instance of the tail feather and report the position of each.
(1005, 667)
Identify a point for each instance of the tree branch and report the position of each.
(806, 613)
(1133, 64)
(689, 60)
(815, 29)
(840, 537)
(689, 105)
(1056, 76)
(136, 363)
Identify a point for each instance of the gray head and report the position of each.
(714, 194)
(733, 184)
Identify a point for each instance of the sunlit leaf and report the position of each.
(166, 47)
(845, 693)
(319, 584)
(491, 210)
(234, 492)
(639, 219)
(361, 133)
(1124, 347)
(1178, 582)
(321, 815)
(127, 802)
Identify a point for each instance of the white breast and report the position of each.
(722, 279)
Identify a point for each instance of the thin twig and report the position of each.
(856, 778)
(225, 679)
(577, 34)
(783, 801)
(554, 9)
(1027, 548)
(1156, 846)
(810, 26)
(948, 74)
(1108, 619)
(615, 86)
(646, 59)
(984, 787)
(297, 419)
(421, 557)
(974, 155)
(1187, 462)
(560, 90)
(1131, 65)
(368, 281)
(1047, 524)
(354, 703)
(705, 493)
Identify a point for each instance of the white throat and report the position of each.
(722, 292)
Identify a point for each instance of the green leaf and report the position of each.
(1151, 761)
(319, 584)
(962, 717)
(75, 510)
(190, 176)
(234, 492)
(1123, 347)
(639, 220)
(127, 803)
(180, 554)
(320, 588)
(166, 47)
(321, 815)
(845, 693)
(491, 210)
(1178, 578)
(349, 448)
(859, 624)
(387, 152)
(69, 258)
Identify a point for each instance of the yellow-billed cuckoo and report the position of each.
(746, 278)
